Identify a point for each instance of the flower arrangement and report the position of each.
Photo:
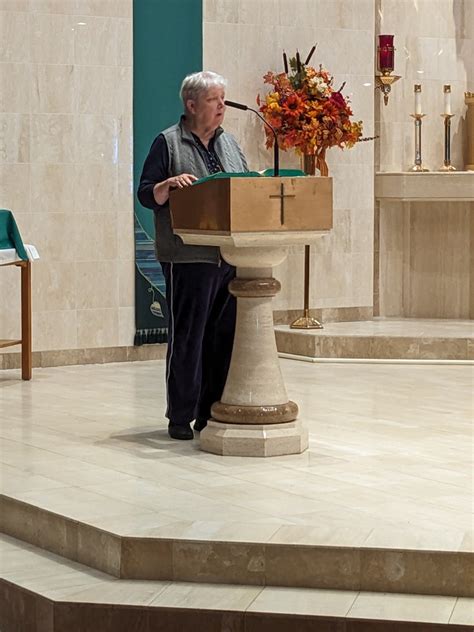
(305, 110)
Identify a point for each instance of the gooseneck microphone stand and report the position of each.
(276, 153)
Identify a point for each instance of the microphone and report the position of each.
(276, 155)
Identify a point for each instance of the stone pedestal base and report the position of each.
(254, 440)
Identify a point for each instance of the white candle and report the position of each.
(418, 99)
(447, 99)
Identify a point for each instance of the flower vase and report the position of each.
(310, 163)
(321, 163)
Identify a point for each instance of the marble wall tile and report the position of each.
(96, 138)
(124, 43)
(15, 83)
(51, 38)
(52, 6)
(263, 12)
(52, 188)
(54, 329)
(95, 41)
(126, 325)
(97, 328)
(14, 138)
(125, 238)
(126, 281)
(112, 8)
(13, 27)
(125, 138)
(125, 188)
(222, 11)
(52, 138)
(222, 40)
(9, 318)
(101, 280)
(14, 185)
(52, 88)
(14, 5)
(95, 236)
(97, 90)
(53, 287)
(51, 234)
(94, 188)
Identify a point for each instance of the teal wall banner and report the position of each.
(167, 46)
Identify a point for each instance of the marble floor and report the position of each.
(389, 463)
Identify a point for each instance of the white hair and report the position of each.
(199, 82)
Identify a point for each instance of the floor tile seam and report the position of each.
(23, 443)
(454, 608)
(254, 599)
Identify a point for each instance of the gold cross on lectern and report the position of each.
(282, 197)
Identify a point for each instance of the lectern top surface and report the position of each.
(220, 175)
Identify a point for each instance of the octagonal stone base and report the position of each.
(254, 440)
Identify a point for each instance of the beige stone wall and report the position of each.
(65, 167)
(425, 264)
(243, 39)
(435, 46)
(426, 269)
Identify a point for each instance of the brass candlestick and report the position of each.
(469, 101)
(418, 166)
(447, 166)
(309, 164)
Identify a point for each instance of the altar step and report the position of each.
(448, 573)
(43, 592)
(389, 339)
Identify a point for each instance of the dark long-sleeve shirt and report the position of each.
(156, 167)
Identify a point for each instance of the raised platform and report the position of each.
(379, 503)
(40, 592)
(382, 338)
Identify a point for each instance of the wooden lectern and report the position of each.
(253, 220)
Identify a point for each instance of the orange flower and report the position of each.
(307, 112)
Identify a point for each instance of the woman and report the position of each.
(201, 310)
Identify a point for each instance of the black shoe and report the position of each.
(200, 424)
(178, 431)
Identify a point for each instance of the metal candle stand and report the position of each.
(447, 166)
(418, 166)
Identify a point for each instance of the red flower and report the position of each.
(338, 100)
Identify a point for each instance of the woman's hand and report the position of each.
(161, 191)
(181, 181)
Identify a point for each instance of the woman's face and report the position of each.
(209, 108)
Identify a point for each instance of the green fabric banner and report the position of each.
(167, 46)
(10, 235)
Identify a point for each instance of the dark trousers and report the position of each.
(200, 337)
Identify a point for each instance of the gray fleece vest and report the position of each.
(185, 157)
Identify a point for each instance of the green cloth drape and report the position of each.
(10, 235)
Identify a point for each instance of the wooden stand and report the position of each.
(25, 342)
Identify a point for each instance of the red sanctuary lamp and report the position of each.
(385, 65)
